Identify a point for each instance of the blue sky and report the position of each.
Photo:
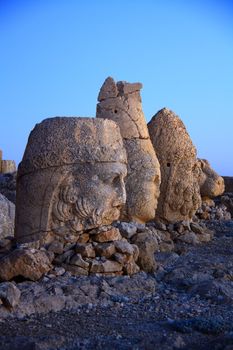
(55, 55)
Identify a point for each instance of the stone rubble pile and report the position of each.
(227, 201)
(211, 211)
(100, 251)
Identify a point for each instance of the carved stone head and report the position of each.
(121, 102)
(71, 178)
(179, 191)
(211, 184)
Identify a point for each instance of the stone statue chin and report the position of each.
(71, 178)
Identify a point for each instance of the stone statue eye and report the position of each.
(116, 180)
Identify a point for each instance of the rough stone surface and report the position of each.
(110, 235)
(143, 180)
(7, 217)
(30, 264)
(179, 191)
(105, 266)
(8, 166)
(147, 245)
(228, 202)
(8, 186)
(228, 180)
(211, 184)
(9, 294)
(186, 304)
(71, 178)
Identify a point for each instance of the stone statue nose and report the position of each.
(121, 194)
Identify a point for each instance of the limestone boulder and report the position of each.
(179, 191)
(30, 264)
(211, 184)
(121, 102)
(70, 180)
(7, 217)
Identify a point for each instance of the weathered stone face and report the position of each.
(211, 184)
(71, 178)
(179, 190)
(121, 102)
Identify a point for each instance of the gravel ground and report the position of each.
(187, 304)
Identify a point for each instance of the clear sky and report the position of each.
(55, 55)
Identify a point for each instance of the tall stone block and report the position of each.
(121, 102)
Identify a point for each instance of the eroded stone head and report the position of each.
(121, 102)
(71, 178)
(179, 190)
(211, 184)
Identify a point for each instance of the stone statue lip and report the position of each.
(46, 148)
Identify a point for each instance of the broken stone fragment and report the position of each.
(124, 247)
(78, 261)
(105, 249)
(108, 90)
(131, 268)
(106, 236)
(135, 252)
(86, 250)
(30, 264)
(188, 237)
(195, 227)
(125, 88)
(147, 245)
(75, 270)
(127, 229)
(122, 258)
(56, 247)
(65, 257)
(9, 294)
(105, 266)
(84, 238)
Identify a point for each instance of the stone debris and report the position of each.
(9, 294)
(227, 202)
(121, 102)
(211, 211)
(179, 191)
